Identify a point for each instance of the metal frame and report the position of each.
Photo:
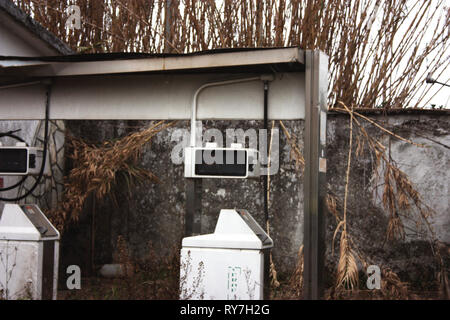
(315, 173)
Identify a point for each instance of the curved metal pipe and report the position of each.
(213, 84)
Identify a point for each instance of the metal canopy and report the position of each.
(162, 87)
(240, 60)
(157, 87)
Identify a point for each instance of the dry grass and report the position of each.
(347, 273)
(96, 169)
(400, 199)
(152, 278)
(295, 153)
(272, 269)
(379, 53)
(296, 279)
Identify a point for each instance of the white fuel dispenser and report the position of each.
(29, 251)
(227, 264)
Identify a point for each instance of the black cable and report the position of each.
(44, 154)
(266, 201)
(16, 137)
(266, 189)
(11, 134)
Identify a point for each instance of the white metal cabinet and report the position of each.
(227, 264)
(29, 252)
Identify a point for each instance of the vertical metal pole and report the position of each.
(192, 222)
(266, 127)
(266, 275)
(316, 76)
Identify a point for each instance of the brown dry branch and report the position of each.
(379, 53)
(96, 169)
(295, 149)
(391, 285)
(401, 200)
(399, 195)
(296, 279)
(346, 110)
(347, 273)
(273, 272)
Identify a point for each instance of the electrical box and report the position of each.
(20, 160)
(29, 252)
(227, 264)
(213, 162)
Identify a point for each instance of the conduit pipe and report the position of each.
(216, 84)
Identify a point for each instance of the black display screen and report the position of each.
(228, 163)
(13, 160)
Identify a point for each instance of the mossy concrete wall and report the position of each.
(155, 212)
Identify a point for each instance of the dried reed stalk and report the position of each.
(391, 285)
(379, 56)
(399, 193)
(401, 200)
(295, 149)
(347, 274)
(296, 279)
(377, 125)
(273, 272)
(96, 169)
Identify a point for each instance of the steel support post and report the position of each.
(192, 222)
(316, 76)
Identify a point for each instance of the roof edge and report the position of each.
(108, 56)
(393, 111)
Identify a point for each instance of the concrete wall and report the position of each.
(427, 169)
(154, 212)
